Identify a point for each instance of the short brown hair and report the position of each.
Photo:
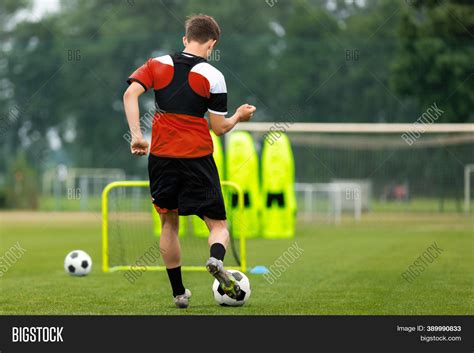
(201, 28)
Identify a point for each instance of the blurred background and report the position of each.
(63, 66)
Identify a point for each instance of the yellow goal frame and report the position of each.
(145, 183)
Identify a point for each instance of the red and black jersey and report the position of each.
(186, 87)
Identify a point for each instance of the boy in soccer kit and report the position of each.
(183, 175)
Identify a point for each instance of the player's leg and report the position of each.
(171, 253)
(164, 188)
(169, 240)
(201, 195)
(218, 237)
(218, 241)
(219, 234)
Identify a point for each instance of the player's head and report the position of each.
(203, 30)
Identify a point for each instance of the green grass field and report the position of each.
(346, 269)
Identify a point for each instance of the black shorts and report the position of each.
(189, 185)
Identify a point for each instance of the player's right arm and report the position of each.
(138, 145)
(140, 81)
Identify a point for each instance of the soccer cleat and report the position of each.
(227, 282)
(182, 301)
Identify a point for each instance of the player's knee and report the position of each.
(170, 222)
(216, 225)
(218, 230)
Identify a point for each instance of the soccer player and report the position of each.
(183, 175)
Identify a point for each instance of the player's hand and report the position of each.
(245, 112)
(139, 146)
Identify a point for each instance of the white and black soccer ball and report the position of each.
(224, 300)
(78, 263)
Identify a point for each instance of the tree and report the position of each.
(435, 59)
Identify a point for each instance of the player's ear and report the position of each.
(185, 41)
(210, 46)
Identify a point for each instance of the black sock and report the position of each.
(176, 281)
(218, 251)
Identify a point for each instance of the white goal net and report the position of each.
(348, 170)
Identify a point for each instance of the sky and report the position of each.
(38, 10)
(41, 7)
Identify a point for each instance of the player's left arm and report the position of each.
(217, 107)
(221, 125)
